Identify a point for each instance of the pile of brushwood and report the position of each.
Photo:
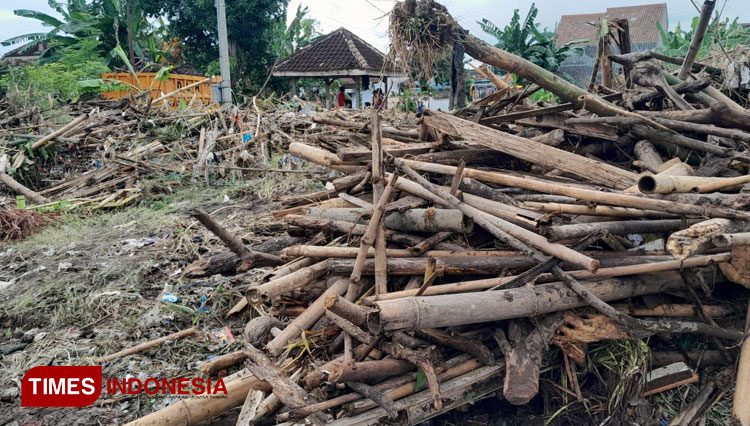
(106, 154)
(476, 252)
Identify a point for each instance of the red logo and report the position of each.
(61, 386)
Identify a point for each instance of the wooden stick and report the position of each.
(211, 367)
(250, 258)
(182, 89)
(61, 131)
(580, 230)
(144, 346)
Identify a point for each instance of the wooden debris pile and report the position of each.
(445, 261)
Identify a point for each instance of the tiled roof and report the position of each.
(340, 50)
(642, 20)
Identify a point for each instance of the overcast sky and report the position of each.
(367, 19)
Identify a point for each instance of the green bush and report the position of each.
(36, 84)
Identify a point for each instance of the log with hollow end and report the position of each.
(269, 291)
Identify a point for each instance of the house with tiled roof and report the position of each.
(342, 56)
(644, 34)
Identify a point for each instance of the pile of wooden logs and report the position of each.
(436, 268)
(445, 262)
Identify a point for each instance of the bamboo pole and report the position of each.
(61, 131)
(721, 183)
(609, 198)
(182, 89)
(741, 407)
(616, 271)
(664, 184)
(697, 41)
(580, 230)
(17, 187)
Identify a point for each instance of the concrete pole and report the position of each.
(226, 79)
(358, 82)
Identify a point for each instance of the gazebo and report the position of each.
(342, 56)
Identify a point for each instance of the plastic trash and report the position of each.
(170, 298)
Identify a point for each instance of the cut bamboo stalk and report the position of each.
(607, 198)
(721, 183)
(617, 271)
(662, 184)
(578, 209)
(351, 252)
(269, 291)
(697, 40)
(322, 157)
(61, 131)
(580, 230)
(144, 346)
(211, 367)
(471, 308)
(414, 220)
(311, 315)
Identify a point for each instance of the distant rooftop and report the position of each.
(340, 53)
(642, 21)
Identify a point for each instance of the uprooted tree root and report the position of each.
(421, 33)
(19, 224)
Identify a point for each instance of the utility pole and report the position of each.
(226, 80)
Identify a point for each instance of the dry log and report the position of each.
(360, 154)
(192, 411)
(341, 184)
(646, 153)
(143, 346)
(307, 319)
(535, 152)
(615, 199)
(323, 157)
(732, 240)
(342, 307)
(719, 114)
(696, 238)
(349, 371)
(580, 230)
(268, 292)
(284, 388)
(524, 360)
(469, 308)
(470, 156)
(701, 358)
(483, 265)
(250, 258)
(388, 131)
(722, 184)
(414, 220)
(351, 252)
(672, 310)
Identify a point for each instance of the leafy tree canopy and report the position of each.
(524, 39)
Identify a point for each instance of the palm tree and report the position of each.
(527, 41)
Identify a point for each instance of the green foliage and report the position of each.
(527, 41)
(726, 34)
(252, 26)
(64, 81)
(300, 32)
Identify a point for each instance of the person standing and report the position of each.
(342, 97)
